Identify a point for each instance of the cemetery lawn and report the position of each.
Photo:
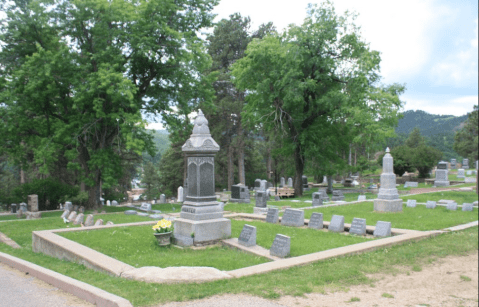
(459, 196)
(418, 218)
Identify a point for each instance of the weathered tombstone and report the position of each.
(281, 246)
(162, 199)
(465, 163)
(272, 215)
(293, 217)
(24, 207)
(469, 180)
(337, 195)
(180, 194)
(108, 203)
(68, 206)
(65, 214)
(460, 173)
(316, 220)
(33, 215)
(114, 203)
(109, 223)
(261, 199)
(282, 182)
(453, 163)
(76, 208)
(348, 182)
(99, 222)
(240, 194)
(452, 206)
(257, 184)
(361, 197)
(247, 236)
(358, 226)
(264, 185)
(336, 224)
(19, 213)
(383, 229)
(72, 216)
(304, 181)
(411, 203)
(388, 197)
(81, 209)
(441, 175)
(324, 195)
(33, 203)
(89, 220)
(290, 182)
(317, 199)
(430, 204)
(13, 208)
(78, 219)
(201, 213)
(131, 212)
(145, 207)
(467, 207)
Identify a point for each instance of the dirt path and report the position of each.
(450, 281)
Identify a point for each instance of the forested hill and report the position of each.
(429, 124)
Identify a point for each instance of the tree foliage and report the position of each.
(466, 140)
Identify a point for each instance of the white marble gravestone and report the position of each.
(180, 194)
(290, 182)
(411, 203)
(388, 197)
(460, 173)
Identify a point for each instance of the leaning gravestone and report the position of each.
(290, 182)
(247, 236)
(442, 179)
(261, 199)
(89, 220)
(316, 221)
(99, 222)
(467, 207)
(293, 217)
(145, 207)
(72, 216)
(272, 215)
(33, 203)
(411, 203)
(337, 196)
(281, 246)
(460, 173)
(383, 229)
(430, 204)
(78, 219)
(317, 199)
(362, 198)
(336, 224)
(358, 226)
(65, 214)
(452, 206)
(68, 206)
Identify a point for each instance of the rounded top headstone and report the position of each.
(200, 140)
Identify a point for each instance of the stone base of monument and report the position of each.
(440, 183)
(189, 232)
(384, 205)
(258, 210)
(239, 200)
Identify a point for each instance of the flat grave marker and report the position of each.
(361, 197)
(411, 203)
(452, 206)
(430, 204)
(467, 207)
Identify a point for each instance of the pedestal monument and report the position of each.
(388, 197)
(201, 219)
(441, 175)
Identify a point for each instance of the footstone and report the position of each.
(411, 203)
(317, 199)
(99, 222)
(410, 184)
(337, 223)
(358, 226)
(72, 216)
(452, 206)
(247, 236)
(89, 220)
(445, 201)
(316, 221)
(383, 229)
(272, 215)
(78, 219)
(361, 197)
(430, 204)
(281, 246)
(142, 214)
(467, 207)
(65, 214)
(469, 180)
(260, 211)
(131, 212)
(293, 217)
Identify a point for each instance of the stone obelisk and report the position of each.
(388, 198)
(201, 219)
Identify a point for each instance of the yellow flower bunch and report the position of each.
(163, 226)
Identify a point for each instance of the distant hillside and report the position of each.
(162, 143)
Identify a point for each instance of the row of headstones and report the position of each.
(411, 203)
(295, 218)
(465, 163)
(461, 173)
(78, 219)
(282, 182)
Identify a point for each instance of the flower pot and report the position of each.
(163, 238)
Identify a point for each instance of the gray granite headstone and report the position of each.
(272, 215)
(316, 220)
(24, 207)
(452, 206)
(282, 182)
(145, 207)
(388, 197)
(89, 220)
(131, 212)
(247, 236)
(430, 204)
(290, 182)
(465, 163)
(383, 229)
(78, 219)
(358, 226)
(162, 199)
(317, 199)
(411, 203)
(467, 207)
(33, 203)
(68, 206)
(361, 197)
(114, 203)
(281, 246)
(99, 222)
(261, 199)
(13, 208)
(453, 163)
(65, 214)
(337, 223)
(461, 173)
(442, 179)
(304, 180)
(293, 217)
(337, 196)
(257, 184)
(72, 216)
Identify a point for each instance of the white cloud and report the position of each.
(457, 106)
(155, 126)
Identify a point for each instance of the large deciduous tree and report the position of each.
(316, 85)
(76, 76)
(466, 139)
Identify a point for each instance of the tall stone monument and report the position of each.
(441, 175)
(33, 203)
(388, 197)
(201, 218)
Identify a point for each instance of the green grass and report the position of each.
(465, 278)
(459, 196)
(418, 218)
(354, 299)
(387, 295)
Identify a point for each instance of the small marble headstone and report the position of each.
(316, 220)
(293, 217)
(430, 204)
(99, 222)
(281, 246)
(108, 203)
(411, 203)
(72, 216)
(145, 207)
(114, 203)
(461, 173)
(337, 223)
(452, 206)
(24, 207)
(282, 182)
(383, 229)
(109, 223)
(272, 215)
(317, 199)
(89, 220)
(180, 194)
(68, 206)
(78, 219)
(247, 236)
(358, 226)
(65, 214)
(467, 207)
(290, 182)
(361, 197)
(162, 199)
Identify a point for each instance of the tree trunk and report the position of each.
(299, 165)
(230, 167)
(241, 173)
(330, 185)
(22, 176)
(268, 163)
(94, 193)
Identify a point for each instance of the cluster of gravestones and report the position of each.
(295, 218)
(113, 203)
(30, 210)
(283, 184)
(452, 205)
(79, 219)
(147, 211)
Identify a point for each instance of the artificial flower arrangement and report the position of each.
(163, 226)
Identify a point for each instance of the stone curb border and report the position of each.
(78, 288)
